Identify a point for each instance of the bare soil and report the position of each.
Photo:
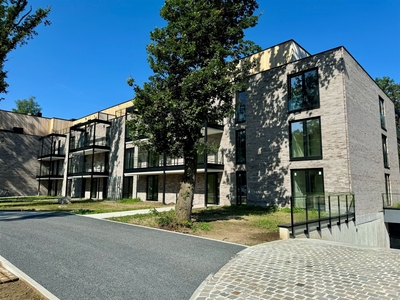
(19, 290)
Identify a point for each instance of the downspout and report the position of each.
(205, 165)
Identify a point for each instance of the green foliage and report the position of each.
(27, 106)
(205, 226)
(391, 89)
(195, 63)
(17, 26)
(130, 200)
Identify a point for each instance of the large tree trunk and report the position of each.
(183, 208)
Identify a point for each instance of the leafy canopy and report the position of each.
(391, 89)
(27, 106)
(17, 26)
(196, 72)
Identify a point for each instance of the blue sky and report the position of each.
(79, 64)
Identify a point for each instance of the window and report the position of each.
(241, 107)
(152, 188)
(129, 159)
(241, 188)
(385, 152)
(305, 139)
(303, 91)
(241, 147)
(382, 113)
(307, 182)
(128, 187)
(388, 195)
(153, 159)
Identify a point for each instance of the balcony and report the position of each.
(82, 146)
(86, 170)
(149, 164)
(44, 173)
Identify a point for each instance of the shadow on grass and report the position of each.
(233, 212)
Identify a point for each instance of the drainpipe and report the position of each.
(205, 165)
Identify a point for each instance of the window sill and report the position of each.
(306, 158)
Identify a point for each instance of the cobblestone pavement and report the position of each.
(307, 269)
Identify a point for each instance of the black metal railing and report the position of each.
(143, 161)
(87, 168)
(45, 172)
(391, 200)
(321, 210)
(87, 143)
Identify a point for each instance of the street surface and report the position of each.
(83, 258)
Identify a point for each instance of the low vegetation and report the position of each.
(78, 206)
(249, 225)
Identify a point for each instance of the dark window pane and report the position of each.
(311, 94)
(241, 107)
(385, 153)
(240, 146)
(241, 188)
(296, 88)
(313, 138)
(303, 91)
(305, 139)
(297, 139)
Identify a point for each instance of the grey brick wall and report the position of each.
(365, 139)
(19, 164)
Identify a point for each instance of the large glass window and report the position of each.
(128, 187)
(241, 188)
(129, 158)
(382, 113)
(303, 91)
(385, 152)
(305, 139)
(307, 182)
(241, 147)
(152, 188)
(241, 107)
(388, 191)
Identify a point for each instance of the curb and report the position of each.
(17, 272)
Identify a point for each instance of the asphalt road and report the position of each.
(75, 257)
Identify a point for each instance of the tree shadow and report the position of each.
(268, 161)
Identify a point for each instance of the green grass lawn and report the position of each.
(78, 206)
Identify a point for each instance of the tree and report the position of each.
(390, 88)
(17, 26)
(195, 60)
(27, 106)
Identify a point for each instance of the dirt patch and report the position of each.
(18, 290)
(238, 231)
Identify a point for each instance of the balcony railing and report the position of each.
(144, 162)
(87, 168)
(55, 152)
(391, 200)
(48, 172)
(80, 144)
(311, 212)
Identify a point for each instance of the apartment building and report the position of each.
(307, 125)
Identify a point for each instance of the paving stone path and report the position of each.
(307, 269)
